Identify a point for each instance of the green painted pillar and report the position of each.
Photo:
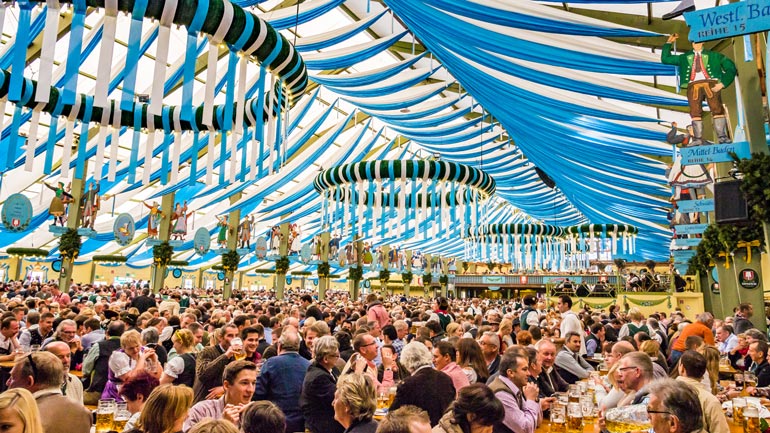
(353, 285)
(323, 281)
(385, 250)
(74, 215)
(234, 220)
(164, 234)
(408, 284)
(280, 279)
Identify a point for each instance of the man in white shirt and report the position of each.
(570, 322)
(726, 339)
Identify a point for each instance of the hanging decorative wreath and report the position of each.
(27, 252)
(323, 269)
(162, 253)
(230, 260)
(69, 244)
(282, 265)
(356, 273)
(443, 280)
(109, 258)
(406, 277)
(384, 275)
(719, 241)
(427, 279)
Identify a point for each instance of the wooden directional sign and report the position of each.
(690, 229)
(734, 19)
(691, 206)
(714, 153)
(691, 242)
(682, 256)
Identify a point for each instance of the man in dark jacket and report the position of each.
(760, 366)
(143, 302)
(319, 386)
(96, 363)
(427, 388)
(211, 364)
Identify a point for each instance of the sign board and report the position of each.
(683, 256)
(202, 241)
(692, 206)
(17, 213)
(714, 153)
(305, 253)
(748, 279)
(496, 279)
(690, 229)
(691, 242)
(734, 19)
(123, 229)
(260, 248)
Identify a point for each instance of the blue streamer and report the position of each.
(73, 57)
(134, 143)
(165, 164)
(20, 51)
(132, 58)
(191, 57)
(10, 154)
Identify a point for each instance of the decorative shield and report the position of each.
(260, 248)
(123, 229)
(17, 213)
(305, 254)
(177, 273)
(202, 241)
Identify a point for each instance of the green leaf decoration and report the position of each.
(230, 260)
(162, 253)
(69, 244)
(27, 252)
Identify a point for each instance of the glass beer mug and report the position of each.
(558, 418)
(105, 415)
(628, 418)
(751, 420)
(574, 418)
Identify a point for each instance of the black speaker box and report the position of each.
(729, 203)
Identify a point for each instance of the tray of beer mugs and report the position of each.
(741, 403)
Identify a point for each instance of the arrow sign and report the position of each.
(714, 153)
(692, 206)
(692, 242)
(690, 229)
(734, 19)
(683, 256)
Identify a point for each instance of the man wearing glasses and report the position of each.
(674, 408)
(633, 373)
(41, 374)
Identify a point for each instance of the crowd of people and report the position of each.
(183, 362)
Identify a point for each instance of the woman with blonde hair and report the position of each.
(129, 360)
(355, 401)
(506, 327)
(180, 370)
(711, 377)
(454, 329)
(18, 412)
(165, 410)
(652, 348)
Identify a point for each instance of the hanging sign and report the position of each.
(748, 279)
(123, 229)
(202, 241)
(714, 153)
(734, 19)
(692, 206)
(690, 229)
(691, 242)
(683, 256)
(305, 253)
(17, 213)
(260, 249)
(487, 279)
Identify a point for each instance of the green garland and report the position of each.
(384, 275)
(756, 184)
(443, 280)
(301, 273)
(427, 279)
(109, 258)
(27, 252)
(178, 263)
(162, 253)
(719, 240)
(647, 302)
(282, 265)
(356, 273)
(406, 277)
(596, 305)
(230, 260)
(323, 269)
(69, 244)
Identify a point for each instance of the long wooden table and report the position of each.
(9, 365)
(545, 427)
